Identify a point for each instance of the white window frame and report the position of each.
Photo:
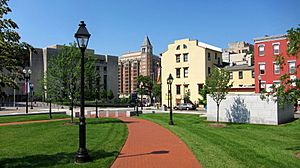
(276, 44)
(276, 65)
(264, 64)
(290, 69)
(261, 46)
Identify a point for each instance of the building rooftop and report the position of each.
(268, 38)
(239, 67)
(204, 45)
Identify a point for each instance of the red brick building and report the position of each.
(266, 68)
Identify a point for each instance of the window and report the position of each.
(200, 87)
(219, 61)
(276, 48)
(178, 89)
(292, 67)
(240, 74)
(105, 69)
(261, 50)
(230, 75)
(97, 68)
(185, 57)
(276, 68)
(178, 47)
(208, 70)
(185, 72)
(263, 85)
(216, 55)
(262, 69)
(253, 74)
(184, 46)
(177, 57)
(177, 72)
(208, 57)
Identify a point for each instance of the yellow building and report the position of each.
(242, 78)
(189, 62)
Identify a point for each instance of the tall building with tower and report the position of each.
(133, 64)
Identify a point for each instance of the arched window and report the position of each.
(184, 46)
(178, 47)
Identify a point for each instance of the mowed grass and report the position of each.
(236, 145)
(7, 119)
(55, 144)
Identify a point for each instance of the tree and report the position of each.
(218, 85)
(12, 52)
(203, 93)
(110, 94)
(288, 92)
(156, 90)
(61, 78)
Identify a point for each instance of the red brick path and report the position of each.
(151, 146)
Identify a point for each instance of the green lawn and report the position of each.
(236, 145)
(54, 144)
(6, 119)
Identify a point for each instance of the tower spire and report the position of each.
(146, 41)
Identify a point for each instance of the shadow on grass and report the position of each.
(105, 122)
(149, 153)
(58, 159)
(295, 148)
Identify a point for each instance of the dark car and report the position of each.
(185, 106)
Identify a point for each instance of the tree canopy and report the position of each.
(217, 85)
(12, 51)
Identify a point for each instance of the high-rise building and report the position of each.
(266, 49)
(189, 62)
(133, 64)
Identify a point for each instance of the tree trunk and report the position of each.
(218, 106)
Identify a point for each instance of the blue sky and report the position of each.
(119, 26)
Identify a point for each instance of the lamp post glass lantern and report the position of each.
(169, 82)
(27, 73)
(82, 37)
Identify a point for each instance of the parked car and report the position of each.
(185, 106)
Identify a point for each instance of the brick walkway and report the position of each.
(33, 121)
(151, 146)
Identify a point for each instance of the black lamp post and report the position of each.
(259, 83)
(31, 94)
(169, 82)
(27, 73)
(142, 89)
(82, 36)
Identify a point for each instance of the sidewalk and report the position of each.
(151, 146)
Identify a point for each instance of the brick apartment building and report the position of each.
(133, 64)
(266, 68)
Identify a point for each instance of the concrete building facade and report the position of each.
(238, 53)
(189, 62)
(38, 61)
(266, 49)
(133, 64)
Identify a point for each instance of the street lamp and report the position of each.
(31, 94)
(141, 87)
(259, 83)
(169, 82)
(82, 37)
(26, 73)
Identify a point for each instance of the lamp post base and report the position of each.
(171, 122)
(82, 156)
